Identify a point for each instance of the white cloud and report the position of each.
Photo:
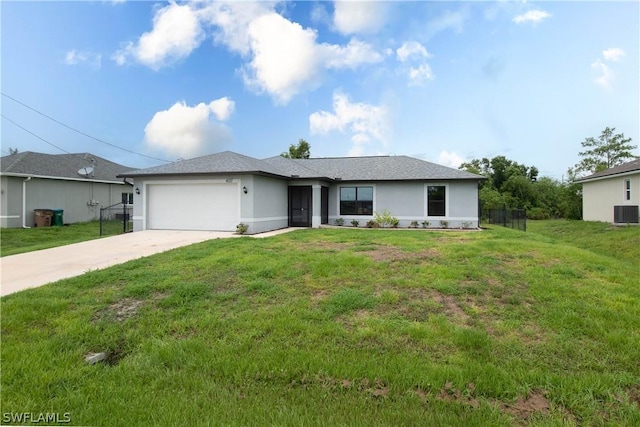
(281, 57)
(449, 159)
(604, 74)
(232, 20)
(319, 14)
(352, 55)
(411, 49)
(418, 76)
(222, 108)
(414, 53)
(534, 16)
(185, 131)
(365, 122)
(351, 17)
(75, 57)
(273, 67)
(448, 20)
(176, 33)
(613, 54)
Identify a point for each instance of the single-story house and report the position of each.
(79, 184)
(612, 195)
(219, 191)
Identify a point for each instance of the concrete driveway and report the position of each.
(33, 269)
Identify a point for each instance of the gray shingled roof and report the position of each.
(383, 168)
(631, 166)
(61, 166)
(294, 168)
(225, 162)
(379, 168)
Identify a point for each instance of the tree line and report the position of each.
(513, 185)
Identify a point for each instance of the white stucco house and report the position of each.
(612, 195)
(219, 191)
(79, 184)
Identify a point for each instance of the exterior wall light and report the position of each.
(137, 190)
(244, 190)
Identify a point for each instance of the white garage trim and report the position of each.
(192, 205)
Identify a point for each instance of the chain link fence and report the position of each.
(116, 219)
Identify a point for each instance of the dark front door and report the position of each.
(300, 206)
(324, 204)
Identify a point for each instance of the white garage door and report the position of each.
(203, 206)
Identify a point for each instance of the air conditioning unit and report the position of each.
(625, 214)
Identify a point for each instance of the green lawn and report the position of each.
(339, 327)
(18, 240)
(620, 241)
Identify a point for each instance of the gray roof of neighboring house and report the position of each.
(63, 166)
(378, 168)
(631, 166)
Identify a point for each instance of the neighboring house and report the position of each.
(219, 191)
(612, 195)
(80, 184)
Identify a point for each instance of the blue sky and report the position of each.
(442, 81)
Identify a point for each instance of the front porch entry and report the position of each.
(303, 212)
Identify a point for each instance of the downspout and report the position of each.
(24, 202)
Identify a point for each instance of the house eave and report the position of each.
(174, 174)
(614, 175)
(61, 178)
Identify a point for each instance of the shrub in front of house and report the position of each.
(339, 222)
(385, 219)
(241, 228)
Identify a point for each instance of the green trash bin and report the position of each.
(58, 215)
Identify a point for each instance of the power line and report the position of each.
(37, 136)
(41, 138)
(77, 131)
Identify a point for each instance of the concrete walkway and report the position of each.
(33, 269)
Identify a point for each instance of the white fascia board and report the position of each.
(60, 178)
(615, 175)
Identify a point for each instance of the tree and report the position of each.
(300, 151)
(609, 150)
(13, 151)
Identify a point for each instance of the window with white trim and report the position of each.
(627, 189)
(356, 200)
(436, 200)
(127, 198)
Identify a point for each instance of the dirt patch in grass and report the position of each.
(524, 408)
(450, 393)
(119, 311)
(634, 394)
(451, 307)
(319, 295)
(392, 253)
